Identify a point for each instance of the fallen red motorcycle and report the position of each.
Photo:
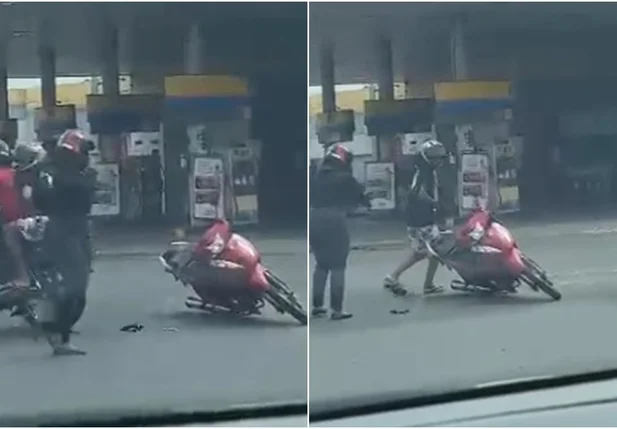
(225, 271)
(484, 253)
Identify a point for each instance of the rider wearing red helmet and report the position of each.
(333, 192)
(70, 194)
(64, 191)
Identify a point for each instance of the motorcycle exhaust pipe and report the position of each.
(194, 303)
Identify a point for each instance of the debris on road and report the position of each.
(395, 311)
(133, 327)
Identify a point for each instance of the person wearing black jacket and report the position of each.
(422, 216)
(63, 190)
(333, 192)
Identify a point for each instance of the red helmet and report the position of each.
(74, 141)
(339, 153)
(72, 149)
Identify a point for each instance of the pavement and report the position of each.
(458, 340)
(181, 360)
(372, 232)
(368, 233)
(187, 360)
(127, 243)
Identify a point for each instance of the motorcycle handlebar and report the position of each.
(492, 218)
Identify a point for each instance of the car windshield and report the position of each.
(525, 110)
(196, 112)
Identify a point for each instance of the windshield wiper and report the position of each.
(137, 418)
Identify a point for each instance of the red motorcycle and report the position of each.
(487, 258)
(225, 271)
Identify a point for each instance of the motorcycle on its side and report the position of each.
(225, 271)
(486, 256)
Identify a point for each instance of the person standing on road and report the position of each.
(64, 190)
(333, 192)
(422, 217)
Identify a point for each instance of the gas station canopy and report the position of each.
(421, 36)
(239, 36)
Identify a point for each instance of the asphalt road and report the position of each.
(458, 340)
(183, 359)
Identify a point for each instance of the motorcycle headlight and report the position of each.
(476, 233)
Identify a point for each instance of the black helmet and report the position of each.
(433, 153)
(337, 154)
(6, 158)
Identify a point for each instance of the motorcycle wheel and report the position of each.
(284, 299)
(535, 276)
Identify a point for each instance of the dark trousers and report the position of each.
(67, 239)
(330, 243)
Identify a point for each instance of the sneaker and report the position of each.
(394, 286)
(340, 315)
(67, 349)
(433, 289)
(318, 312)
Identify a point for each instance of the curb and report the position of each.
(397, 244)
(377, 245)
(121, 253)
(147, 253)
(359, 247)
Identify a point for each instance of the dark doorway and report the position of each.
(279, 121)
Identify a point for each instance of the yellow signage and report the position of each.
(205, 86)
(472, 90)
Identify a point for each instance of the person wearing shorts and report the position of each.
(422, 218)
(418, 237)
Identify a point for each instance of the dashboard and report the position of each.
(273, 422)
(292, 414)
(578, 405)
